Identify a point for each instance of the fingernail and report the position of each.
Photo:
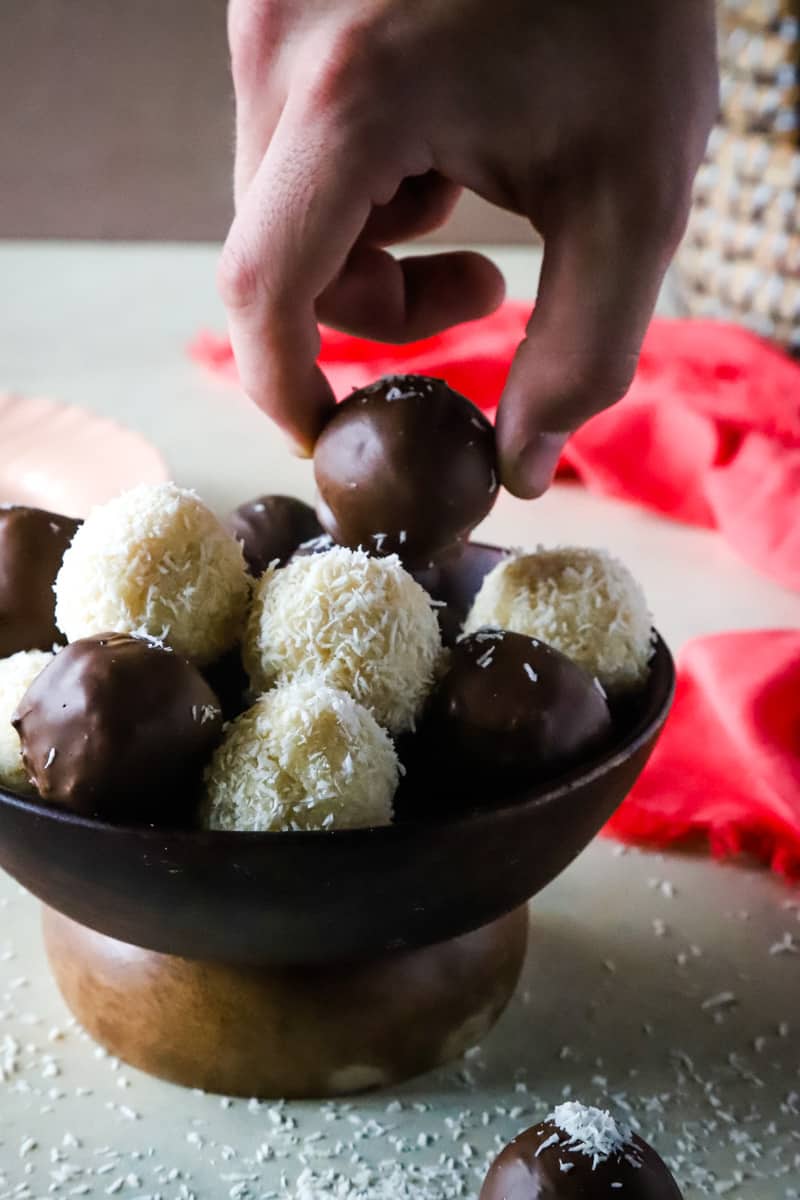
(536, 464)
(297, 448)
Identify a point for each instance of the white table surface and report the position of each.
(691, 1025)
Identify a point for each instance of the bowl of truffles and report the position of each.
(285, 783)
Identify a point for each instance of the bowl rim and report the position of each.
(557, 789)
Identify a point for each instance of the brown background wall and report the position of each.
(116, 122)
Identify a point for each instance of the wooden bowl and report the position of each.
(277, 899)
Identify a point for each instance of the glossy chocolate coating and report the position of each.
(272, 527)
(405, 466)
(119, 728)
(228, 681)
(32, 545)
(512, 704)
(520, 1173)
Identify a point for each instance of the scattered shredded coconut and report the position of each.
(529, 671)
(553, 1140)
(719, 1000)
(786, 945)
(323, 541)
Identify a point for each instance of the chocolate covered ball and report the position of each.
(579, 1153)
(271, 528)
(32, 545)
(119, 727)
(228, 681)
(512, 704)
(450, 612)
(405, 466)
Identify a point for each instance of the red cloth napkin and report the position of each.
(727, 766)
(709, 434)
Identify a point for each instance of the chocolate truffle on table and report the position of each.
(579, 600)
(155, 560)
(270, 529)
(360, 623)
(17, 673)
(32, 546)
(305, 756)
(579, 1153)
(512, 706)
(120, 728)
(405, 466)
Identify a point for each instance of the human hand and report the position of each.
(359, 122)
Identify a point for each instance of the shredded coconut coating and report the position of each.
(17, 673)
(305, 756)
(591, 1131)
(361, 623)
(155, 561)
(581, 601)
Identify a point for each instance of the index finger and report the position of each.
(294, 228)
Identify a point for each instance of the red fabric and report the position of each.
(709, 434)
(727, 766)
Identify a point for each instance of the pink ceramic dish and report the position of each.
(65, 459)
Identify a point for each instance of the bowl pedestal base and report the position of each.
(297, 1031)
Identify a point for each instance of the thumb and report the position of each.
(600, 279)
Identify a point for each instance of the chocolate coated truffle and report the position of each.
(511, 704)
(449, 612)
(120, 728)
(32, 545)
(405, 466)
(579, 1153)
(270, 529)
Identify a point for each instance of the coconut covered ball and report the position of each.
(581, 601)
(156, 562)
(361, 623)
(17, 673)
(305, 756)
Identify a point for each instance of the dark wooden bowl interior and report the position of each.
(280, 898)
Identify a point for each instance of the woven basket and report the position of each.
(740, 259)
